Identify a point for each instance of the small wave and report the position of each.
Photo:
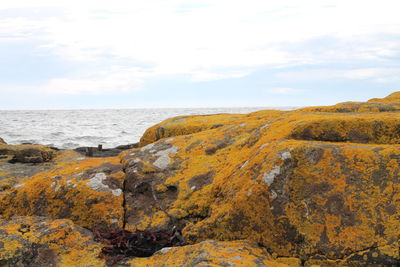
(57, 134)
(71, 129)
(86, 137)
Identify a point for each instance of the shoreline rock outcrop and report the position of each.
(314, 186)
(26, 153)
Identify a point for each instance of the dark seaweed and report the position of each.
(123, 244)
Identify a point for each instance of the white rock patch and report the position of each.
(264, 146)
(285, 155)
(116, 192)
(163, 161)
(146, 148)
(164, 250)
(171, 150)
(269, 177)
(244, 164)
(96, 183)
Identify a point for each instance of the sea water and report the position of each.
(69, 129)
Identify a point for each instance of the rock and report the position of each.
(87, 191)
(392, 98)
(26, 153)
(39, 241)
(2, 141)
(321, 186)
(387, 104)
(212, 253)
(105, 152)
(14, 173)
(183, 125)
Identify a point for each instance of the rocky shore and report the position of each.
(318, 186)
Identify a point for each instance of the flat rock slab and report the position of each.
(214, 253)
(87, 191)
(40, 241)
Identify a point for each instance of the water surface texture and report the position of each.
(73, 128)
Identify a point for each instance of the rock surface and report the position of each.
(107, 152)
(26, 153)
(40, 242)
(211, 253)
(314, 186)
(87, 191)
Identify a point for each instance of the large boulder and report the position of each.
(26, 153)
(183, 125)
(315, 186)
(87, 191)
(391, 103)
(212, 253)
(323, 187)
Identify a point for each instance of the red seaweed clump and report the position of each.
(123, 244)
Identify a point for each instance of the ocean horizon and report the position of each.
(72, 128)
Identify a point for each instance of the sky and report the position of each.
(183, 53)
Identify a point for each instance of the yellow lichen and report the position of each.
(236, 253)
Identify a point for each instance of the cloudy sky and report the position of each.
(184, 53)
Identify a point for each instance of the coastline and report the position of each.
(318, 186)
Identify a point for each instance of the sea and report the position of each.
(69, 129)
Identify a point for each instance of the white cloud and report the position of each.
(202, 38)
(108, 81)
(376, 74)
(282, 90)
(204, 76)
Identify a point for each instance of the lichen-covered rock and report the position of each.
(26, 153)
(13, 173)
(319, 184)
(314, 185)
(87, 191)
(387, 104)
(211, 253)
(183, 125)
(39, 242)
(392, 98)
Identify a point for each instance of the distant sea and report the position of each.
(69, 129)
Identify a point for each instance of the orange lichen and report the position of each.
(332, 191)
(318, 183)
(211, 253)
(52, 242)
(61, 192)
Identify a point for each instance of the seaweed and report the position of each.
(123, 244)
